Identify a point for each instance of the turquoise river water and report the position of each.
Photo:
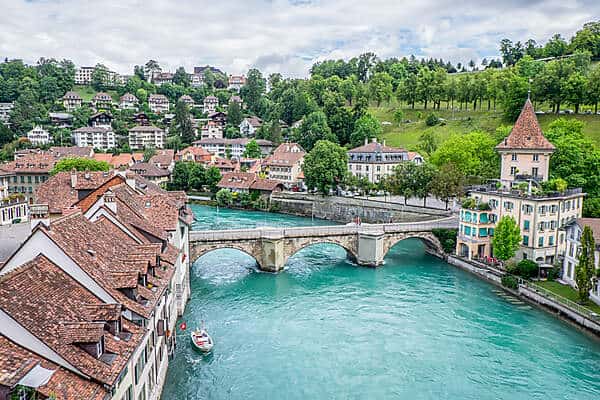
(416, 328)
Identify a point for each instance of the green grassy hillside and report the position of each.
(88, 92)
(407, 134)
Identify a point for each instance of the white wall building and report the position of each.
(38, 136)
(143, 136)
(83, 75)
(210, 104)
(5, 109)
(236, 147)
(573, 250)
(249, 126)
(94, 136)
(158, 103)
(375, 160)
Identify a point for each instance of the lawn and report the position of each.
(88, 92)
(407, 134)
(567, 292)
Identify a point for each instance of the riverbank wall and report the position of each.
(346, 209)
(580, 319)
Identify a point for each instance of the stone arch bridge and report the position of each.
(367, 244)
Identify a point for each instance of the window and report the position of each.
(541, 241)
(128, 394)
(534, 171)
(513, 170)
(514, 157)
(525, 225)
(525, 240)
(551, 241)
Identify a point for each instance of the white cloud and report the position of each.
(274, 35)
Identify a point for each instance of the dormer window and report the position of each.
(100, 347)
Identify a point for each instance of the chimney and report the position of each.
(73, 179)
(366, 141)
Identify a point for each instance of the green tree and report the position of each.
(252, 150)
(182, 123)
(325, 166)
(585, 269)
(473, 154)
(149, 152)
(398, 116)
(403, 181)
(588, 39)
(366, 127)
(212, 178)
(314, 128)
(380, 87)
(253, 90)
(428, 142)
(79, 164)
(27, 112)
(234, 114)
(180, 77)
(100, 80)
(224, 197)
(6, 135)
(448, 183)
(507, 237)
(424, 176)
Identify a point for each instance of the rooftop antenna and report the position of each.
(529, 90)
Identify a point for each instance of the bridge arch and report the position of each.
(431, 242)
(198, 250)
(293, 247)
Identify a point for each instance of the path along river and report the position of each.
(417, 328)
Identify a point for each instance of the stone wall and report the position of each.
(346, 209)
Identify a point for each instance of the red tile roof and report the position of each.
(57, 316)
(526, 134)
(286, 154)
(247, 181)
(375, 147)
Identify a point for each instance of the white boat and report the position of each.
(202, 340)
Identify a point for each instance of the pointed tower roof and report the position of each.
(527, 133)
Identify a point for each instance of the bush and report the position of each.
(510, 281)
(527, 269)
(432, 120)
(554, 273)
(224, 197)
(447, 238)
(469, 203)
(511, 267)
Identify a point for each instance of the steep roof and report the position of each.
(526, 134)
(375, 147)
(149, 170)
(72, 96)
(594, 224)
(286, 154)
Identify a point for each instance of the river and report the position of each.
(416, 328)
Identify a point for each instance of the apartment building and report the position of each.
(38, 136)
(232, 147)
(211, 130)
(158, 103)
(236, 82)
(97, 137)
(13, 207)
(5, 109)
(375, 160)
(573, 251)
(72, 101)
(143, 136)
(210, 104)
(285, 164)
(249, 126)
(28, 171)
(542, 216)
(83, 75)
(102, 101)
(187, 100)
(128, 102)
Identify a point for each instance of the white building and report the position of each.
(573, 250)
(38, 136)
(143, 136)
(83, 75)
(211, 130)
(375, 160)
(13, 207)
(5, 109)
(72, 101)
(285, 164)
(235, 147)
(236, 82)
(94, 136)
(210, 104)
(249, 126)
(128, 102)
(158, 103)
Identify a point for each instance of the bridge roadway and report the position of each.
(367, 244)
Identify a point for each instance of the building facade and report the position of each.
(72, 101)
(13, 207)
(143, 136)
(542, 216)
(5, 110)
(236, 82)
(285, 164)
(573, 250)
(210, 104)
(38, 136)
(128, 102)
(233, 147)
(158, 103)
(249, 126)
(374, 160)
(98, 137)
(83, 75)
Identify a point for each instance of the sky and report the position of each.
(277, 35)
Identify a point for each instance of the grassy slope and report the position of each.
(567, 292)
(87, 92)
(407, 134)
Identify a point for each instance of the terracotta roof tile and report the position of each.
(526, 133)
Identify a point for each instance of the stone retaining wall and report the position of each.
(346, 209)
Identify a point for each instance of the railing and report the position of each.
(333, 230)
(586, 312)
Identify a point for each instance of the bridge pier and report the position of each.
(272, 255)
(371, 248)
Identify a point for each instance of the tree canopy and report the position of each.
(325, 166)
